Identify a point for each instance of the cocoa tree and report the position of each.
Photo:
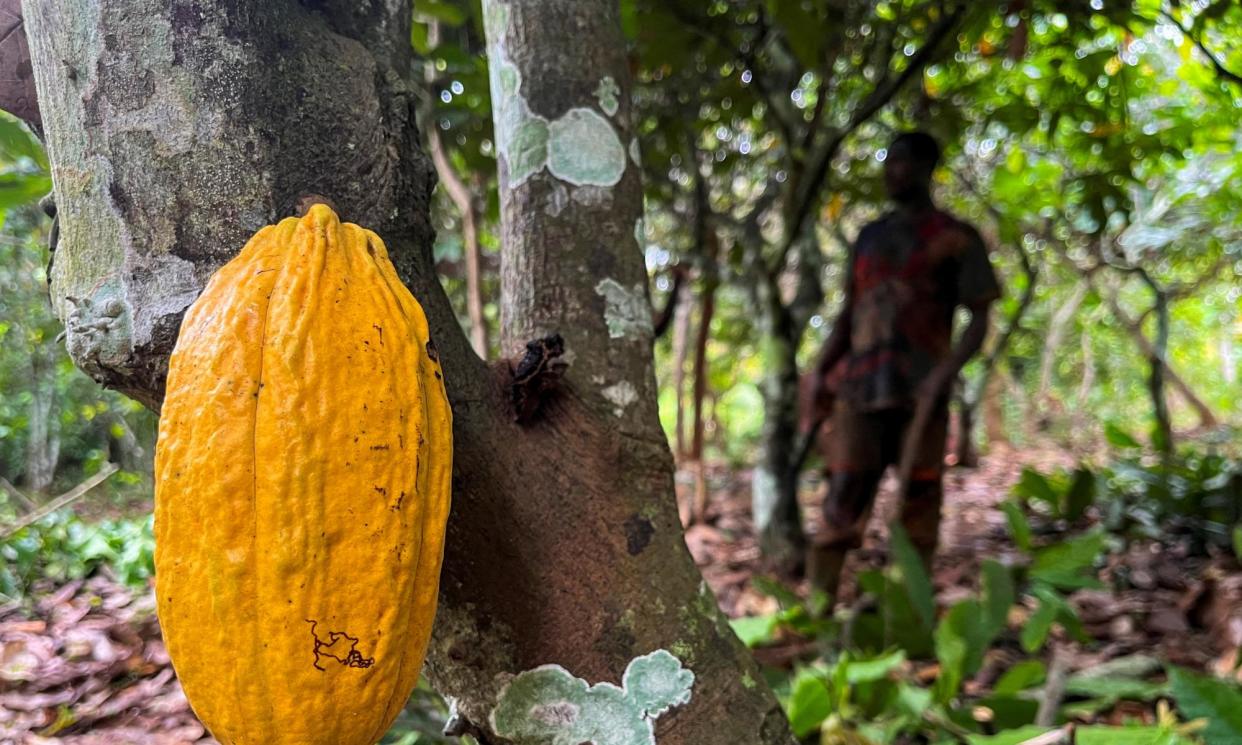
(177, 129)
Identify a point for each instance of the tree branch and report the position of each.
(820, 159)
(1215, 61)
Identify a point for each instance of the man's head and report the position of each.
(908, 168)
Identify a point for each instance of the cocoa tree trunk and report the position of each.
(177, 129)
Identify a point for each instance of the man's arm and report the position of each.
(937, 383)
(838, 344)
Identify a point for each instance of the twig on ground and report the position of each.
(1063, 736)
(26, 504)
(1054, 690)
(62, 501)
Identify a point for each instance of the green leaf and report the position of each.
(876, 668)
(1020, 677)
(1019, 526)
(1237, 541)
(998, 596)
(1035, 632)
(913, 574)
(1119, 438)
(1012, 737)
(17, 142)
(754, 630)
(1080, 495)
(961, 640)
(774, 589)
(1064, 565)
(802, 29)
(419, 39)
(1011, 712)
(912, 700)
(1034, 485)
(445, 12)
(19, 189)
(1135, 734)
(1115, 689)
(808, 703)
(1217, 701)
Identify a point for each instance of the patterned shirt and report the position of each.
(906, 279)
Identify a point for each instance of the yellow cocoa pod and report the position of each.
(301, 490)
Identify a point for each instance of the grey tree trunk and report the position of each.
(43, 443)
(774, 490)
(178, 129)
(681, 351)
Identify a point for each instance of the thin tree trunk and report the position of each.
(1162, 429)
(1053, 342)
(468, 209)
(774, 487)
(681, 350)
(1082, 426)
(43, 434)
(563, 550)
(707, 309)
(1207, 419)
(974, 393)
(994, 412)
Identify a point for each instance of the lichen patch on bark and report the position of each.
(606, 94)
(579, 147)
(549, 706)
(626, 309)
(621, 395)
(584, 149)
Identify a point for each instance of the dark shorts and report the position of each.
(869, 441)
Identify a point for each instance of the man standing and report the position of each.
(892, 359)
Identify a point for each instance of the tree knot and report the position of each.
(536, 376)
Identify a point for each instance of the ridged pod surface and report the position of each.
(302, 484)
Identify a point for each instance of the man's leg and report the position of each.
(846, 509)
(920, 514)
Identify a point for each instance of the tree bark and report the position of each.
(681, 350)
(994, 412)
(707, 309)
(43, 438)
(774, 487)
(176, 130)
(571, 209)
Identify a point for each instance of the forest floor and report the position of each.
(1158, 604)
(85, 665)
